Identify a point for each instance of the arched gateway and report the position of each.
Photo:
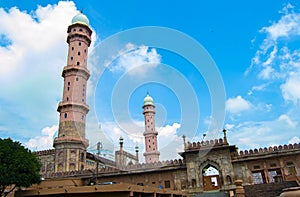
(211, 176)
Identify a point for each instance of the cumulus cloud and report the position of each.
(42, 31)
(169, 130)
(237, 104)
(43, 141)
(290, 88)
(136, 59)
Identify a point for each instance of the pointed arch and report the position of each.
(211, 163)
(213, 181)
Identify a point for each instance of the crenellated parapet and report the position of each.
(160, 164)
(277, 150)
(79, 173)
(45, 152)
(205, 144)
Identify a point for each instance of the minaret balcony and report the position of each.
(71, 139)
(73, 105)
(151, 153)
(150, 133)
(76, 70)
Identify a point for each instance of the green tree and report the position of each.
(18, 166)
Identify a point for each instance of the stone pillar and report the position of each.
(239, 192)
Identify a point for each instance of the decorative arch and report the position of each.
(210, 163)
(210, 182)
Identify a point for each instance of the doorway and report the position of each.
(211, 178)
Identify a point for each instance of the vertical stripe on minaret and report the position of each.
(151, 151)
(70, 145)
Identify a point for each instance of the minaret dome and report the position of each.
(80, 18)
(148, 100)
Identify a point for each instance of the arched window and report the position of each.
(291, 168)
(228, 179)
(65, 115)
(78, 63)
(79, 43)
(82, 157)
(78, 53)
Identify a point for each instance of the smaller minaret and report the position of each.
(151, 151)
(121, 143)
(184, 143)
(225, 136)
(137, 153)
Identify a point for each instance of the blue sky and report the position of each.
(253, 47)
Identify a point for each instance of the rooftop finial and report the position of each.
(225, 136)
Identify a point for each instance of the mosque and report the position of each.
(207, 168)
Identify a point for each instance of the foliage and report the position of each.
(18, 166)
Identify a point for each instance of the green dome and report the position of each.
(148, 100)
(80, 18)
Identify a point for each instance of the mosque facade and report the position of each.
(206, 166)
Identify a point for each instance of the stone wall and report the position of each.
(267, 190)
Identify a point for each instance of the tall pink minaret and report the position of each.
(70, 145)
(152, 153)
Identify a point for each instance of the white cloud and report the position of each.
(267, 73)
(277, 60)
(42, 31)
(287, 120)
(237, 104)
(294, 140)
(136, 59)
(270, 50)
(256, 134)
(290, 89)
(168, 130)
(44, 141)
(287, 26)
